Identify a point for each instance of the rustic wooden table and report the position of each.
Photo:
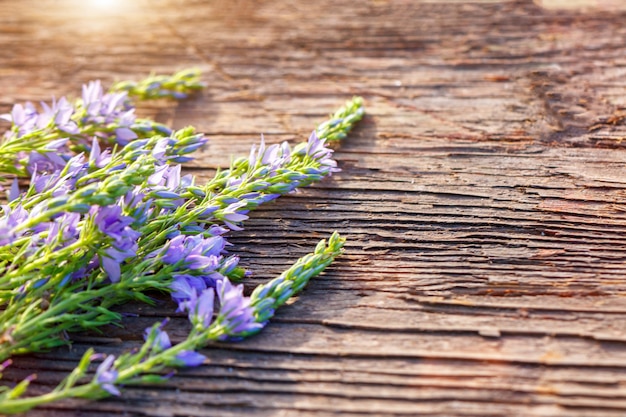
(483, 197)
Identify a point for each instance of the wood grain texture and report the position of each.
(483, 198)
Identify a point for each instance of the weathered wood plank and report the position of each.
(483, 198)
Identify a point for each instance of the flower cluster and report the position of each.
(107, 217)
(44, 140)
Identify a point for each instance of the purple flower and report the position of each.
(189, 358)
(113, 257)
(190, 148)
(7, 236)
(61, 113)
(112, 266)
(11, 219)
(201, 262)
(165, 194)
(233, 213)
(64, 228)
(195, 252)
(97, 157)
(209, 246)
(124, 135)
(185, 287)
(271, 158)
(229, 265)
(104, 109)
(24, 118)
(173, 177)
(201, 308)
(111, 222)
(235, 314)
(45, 162)
(59, 185)
(76, 168)
(157, 178)
(175, 250)
(92, 93)
(14, 191)
(139, 209)
(316, 148)
(160, 149)
(181, 159)
(106, 376)
(217, 230)
(161, 338)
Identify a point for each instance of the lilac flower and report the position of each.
(134, 197)
(161, 338)
(110, 221)
(189, 358)
(229, 265)
(124, 135)
(195, 252)
(10, 220)
(160, 150)
(92, 94)
(232, 214)
(14, 191)
(158, 177)
(97, 157)
(111, 262)
(235, 314)
(75, 168)
(217, 230)
(185, 287)
(59, 185)
(175, 250)
(64, 228)
(316, 148)
(7, 236)
(106, 376)
(202, 263)
(201, 308)
(121, 250)
(273, 157)
(104, 109)
(173, 177)
(44, 162)
(24, 118)
(61, 113)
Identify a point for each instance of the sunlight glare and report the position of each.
(105, 4)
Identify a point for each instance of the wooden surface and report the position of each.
(483, 198)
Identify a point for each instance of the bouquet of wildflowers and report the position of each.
(107, 216)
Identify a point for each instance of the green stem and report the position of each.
(20, 405)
